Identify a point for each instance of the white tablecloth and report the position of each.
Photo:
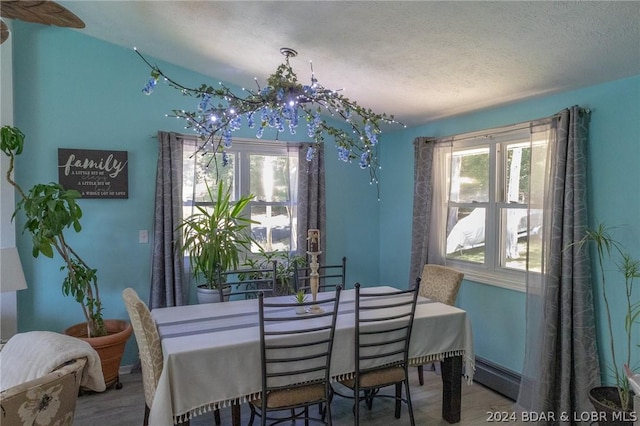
(212, 351)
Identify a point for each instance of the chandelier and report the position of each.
(282, 104)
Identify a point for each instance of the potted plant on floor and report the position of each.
(50, 210)
(616, 400)
(214, 238)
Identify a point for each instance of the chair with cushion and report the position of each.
(148, 339)
(329, 276)
(50, 399)
(295, 359)
(383, 323)
(439, 283)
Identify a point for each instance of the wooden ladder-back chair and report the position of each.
(295, 358)
(383, 323)
(439, 283)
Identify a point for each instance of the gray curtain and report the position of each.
(422, 202)
(167, 267)
(311, 197)
(561, 357)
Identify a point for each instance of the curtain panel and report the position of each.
(561, 356)
(311, 197)
(422, 204)
(168, 286)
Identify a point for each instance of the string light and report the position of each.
(282, 102)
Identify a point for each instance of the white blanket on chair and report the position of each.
(33, 354)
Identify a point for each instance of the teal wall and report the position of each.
(74, 91)
(497, 314)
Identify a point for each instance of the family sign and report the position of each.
(94, 173)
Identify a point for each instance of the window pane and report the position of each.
(273, 231)
(470, 176)
(269, 177)
(465, 240)
(518, 171)
(518, 242)
(202, 169)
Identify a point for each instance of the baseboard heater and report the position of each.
(497, 378)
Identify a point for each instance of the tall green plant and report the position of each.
(50, 210)
(607, 248)
(215, 236)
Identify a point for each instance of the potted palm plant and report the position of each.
(50, 210)
(616, 400)
(214, 239)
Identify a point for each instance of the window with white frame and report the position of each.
(268, 170)
(488, 203)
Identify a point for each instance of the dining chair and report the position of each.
(330, 276)
(383, 323)
(248, 283)
(149, 348)
(439, 283)
(295, 359)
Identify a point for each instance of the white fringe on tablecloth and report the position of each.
(469, 368)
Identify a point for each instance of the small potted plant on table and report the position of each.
(300, 298)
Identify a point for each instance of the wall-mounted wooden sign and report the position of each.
(94, 173)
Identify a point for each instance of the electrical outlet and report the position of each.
(143, 236)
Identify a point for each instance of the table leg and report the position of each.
(451, 388)
(235, 414)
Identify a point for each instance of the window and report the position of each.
(268, 170)
(488, 203)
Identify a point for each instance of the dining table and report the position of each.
(212, 353)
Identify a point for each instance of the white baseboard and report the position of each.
(125, 369)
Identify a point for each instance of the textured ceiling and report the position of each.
(417, 60)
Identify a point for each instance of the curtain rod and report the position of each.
(499, 130)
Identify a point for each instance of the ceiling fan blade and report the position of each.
(4, 31)
(41, 12)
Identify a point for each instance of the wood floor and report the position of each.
(125, 407)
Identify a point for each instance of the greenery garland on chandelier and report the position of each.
(282, 102)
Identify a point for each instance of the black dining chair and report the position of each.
(330, 276)
(295, 360)
(383, 323)
(248, 283)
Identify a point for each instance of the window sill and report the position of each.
(512, 280)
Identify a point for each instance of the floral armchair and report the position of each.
(48, 400)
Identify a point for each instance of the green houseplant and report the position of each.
(607, 247)
(215, 237)
(50, 210)
(286, 263)
(300, 297)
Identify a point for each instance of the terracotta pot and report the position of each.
(606, 401)
(110, 348)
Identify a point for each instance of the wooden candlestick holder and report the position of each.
(314, 281)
